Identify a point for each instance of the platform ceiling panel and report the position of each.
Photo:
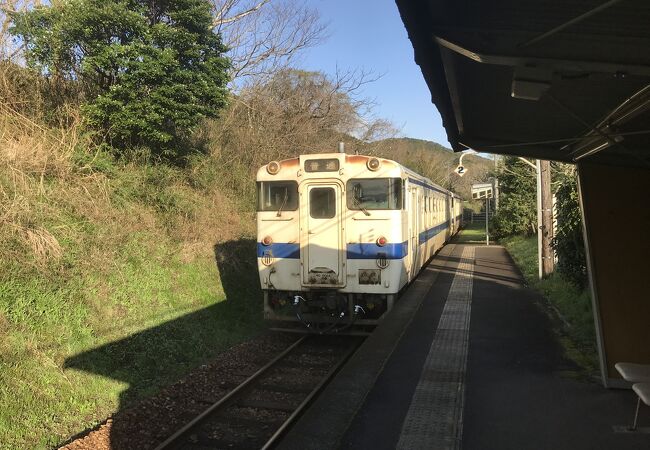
(560, 80)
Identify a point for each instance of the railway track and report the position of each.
(256, 413)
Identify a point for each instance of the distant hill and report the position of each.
(434, 161)
(412, 144)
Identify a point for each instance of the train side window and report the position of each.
(322, 203)
(375, 193)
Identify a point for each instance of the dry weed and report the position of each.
(30, 147)
(4, 324)
(217, 220)
(42, 243)
(13, 204)
(36, 169)
(88, 196)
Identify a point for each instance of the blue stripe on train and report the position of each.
(354, 251)
(372, 250)
(279, 250)
(431, 232)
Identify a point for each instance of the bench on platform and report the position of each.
(643, 391)
(634, 372)
(639, 375)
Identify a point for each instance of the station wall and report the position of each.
(616, 215)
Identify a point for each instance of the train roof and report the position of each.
(295, 164)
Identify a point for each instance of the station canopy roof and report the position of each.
(550, 79)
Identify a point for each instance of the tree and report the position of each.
(517, 212)
(148, 70)
(294, 112)
(264, 36)
(8, 48)
(568, 241)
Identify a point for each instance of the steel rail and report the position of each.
(294, 415)
(182, 431)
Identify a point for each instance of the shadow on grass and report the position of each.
(237, 264)
(157, 356)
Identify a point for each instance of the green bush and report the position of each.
(149, 71)
(568, 240)
(517, 213)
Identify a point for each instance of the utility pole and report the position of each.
(548, 259)
(487, 220)
(495, 192)
(544, 219)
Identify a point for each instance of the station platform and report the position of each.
(466, 359)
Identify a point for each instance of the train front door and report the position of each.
(324, 250)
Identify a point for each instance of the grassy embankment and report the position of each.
(571, 305)
(96, 251)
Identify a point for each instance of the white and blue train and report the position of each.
(340, 235)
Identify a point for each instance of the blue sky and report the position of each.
(367, 34)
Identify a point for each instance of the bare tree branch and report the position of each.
(8, 48)
(293, 112)
(264, 36)
(221, 20)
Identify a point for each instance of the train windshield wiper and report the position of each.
(357, 202)
(284, 202)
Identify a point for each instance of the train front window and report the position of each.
(322, 203)
(277, 196)
(375, 193)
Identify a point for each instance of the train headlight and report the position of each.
(373, 164)
(273, 167)
(267, 241)
(381, 241)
